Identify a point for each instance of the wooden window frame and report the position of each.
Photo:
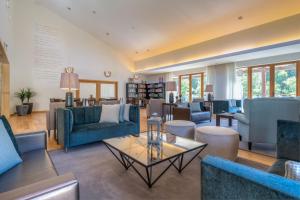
(98, 87)
(190, 84)
(272, 77)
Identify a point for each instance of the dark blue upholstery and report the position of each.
(223, 179)
(220, 106)
(86, 128)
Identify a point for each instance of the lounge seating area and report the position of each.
(139, 99)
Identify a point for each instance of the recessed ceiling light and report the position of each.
(107, 33)
(94, 12)
(148, 50)
(69, 8)
(136, 52)
(240, 17)
(133, 27)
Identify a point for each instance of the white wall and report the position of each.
(89, 56)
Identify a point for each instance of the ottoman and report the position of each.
(181, 128)
(222, 142)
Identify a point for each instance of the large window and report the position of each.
(260, 82)
(192, 86)
(277, 80)
(185, 88)
(285, 80)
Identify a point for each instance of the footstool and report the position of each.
(223, 142)
(181, 128)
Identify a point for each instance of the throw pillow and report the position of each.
(9, 157)
(110, 113)
(126, 112)
(121, 113)
(195, 107)
(10, 133)
(292, 170)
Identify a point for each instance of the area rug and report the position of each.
(101, 176)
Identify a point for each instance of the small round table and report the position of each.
(223, 142)
(181, 128)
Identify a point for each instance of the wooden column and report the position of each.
(272, 80)
(298, 79)
(5, 93)
(249, 82)
(202, 85)
(190, 88)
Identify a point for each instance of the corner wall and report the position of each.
(89, 56)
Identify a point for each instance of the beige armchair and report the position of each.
(51, 116)
(155, 106)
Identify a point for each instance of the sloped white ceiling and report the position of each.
(144, 28)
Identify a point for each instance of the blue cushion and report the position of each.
(10, 133)
(195, 107)
(9, 157)
(121, 112)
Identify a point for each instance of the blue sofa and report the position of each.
(80, 125)
(224, 179)
(230, 105)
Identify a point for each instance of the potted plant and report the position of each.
(21, 109)
(28, 95)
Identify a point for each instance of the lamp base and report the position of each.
(69, 99)
(171, 97)
(210, 97)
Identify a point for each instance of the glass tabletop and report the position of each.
(137, 148)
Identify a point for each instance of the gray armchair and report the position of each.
(36, 177)
(258, 123)
(155, 106)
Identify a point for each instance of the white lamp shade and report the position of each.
(171, 86)
(209, 88)
(69, 81)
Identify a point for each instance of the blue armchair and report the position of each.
(231, 105)
(224, 179)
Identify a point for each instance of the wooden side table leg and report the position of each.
(218, 120)
(230, 122)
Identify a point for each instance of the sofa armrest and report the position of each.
(222, 178)
(64, 126)
(31, 141)
(241, 118)
(60, 187)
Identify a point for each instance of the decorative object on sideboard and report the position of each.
(69, 81)
(209, 89)
(107, 74)
(171, 87)
(28, 95)
(21, 109)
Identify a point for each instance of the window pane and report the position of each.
(196, 86)
(177, 86)
(285, 80)
(185, 87)
(242, 82)
(261, 82)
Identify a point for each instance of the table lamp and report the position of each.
(209, 89)
(171, 87)
(69, 81)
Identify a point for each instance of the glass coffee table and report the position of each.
(132, 150)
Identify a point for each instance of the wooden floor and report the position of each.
(37, 122)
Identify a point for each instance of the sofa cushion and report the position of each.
(78, 115)
(9, 157)
(92, 114)
(110, 113)
(278, 167)
(36, 166)
(195, 107)
(10, 132)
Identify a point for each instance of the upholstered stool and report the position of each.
(223, 142)
(181, 128)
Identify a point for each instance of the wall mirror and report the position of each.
(99, 89)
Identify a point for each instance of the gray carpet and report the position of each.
(265, 149)
(101, 176)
